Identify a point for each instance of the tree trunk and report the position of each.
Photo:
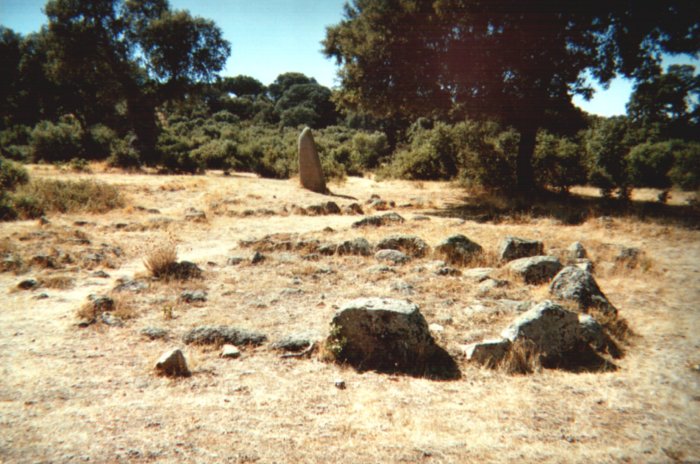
(526, 149)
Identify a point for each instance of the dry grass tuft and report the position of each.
(522, 358)
(616, 326)
(59, 282)
(161, 259)
(72, 196)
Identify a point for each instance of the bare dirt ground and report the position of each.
(70, 394)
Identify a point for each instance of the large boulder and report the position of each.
(219, 335)
(310, 171)
(386, 334)
(410, 244)
(577, 285)
(458, 249)
(553, 329)
(536, 269)
(514, 248)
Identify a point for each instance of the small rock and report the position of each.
(410, 244)
(458, 250)
(100, 274)
(584, 265)
(378, 221)
(380, 268)
(297, 342)
(234, 260)
(514, 248)
(436, 328)
(352, 209)
(193, 296)
(358, 246)
(553, 329)
(489, 285)
(212, 335)
(402, 287)
(192, 214)
(173, 364)
(576, 251)
(340, 384)
(393, 256)
(230, 351)
(102, 303)
(41, 296)
(154, 333)
(111, 320)
(28, 284)
(536, 269)
(257, 258)
(127, 285)
(448, 271)
(488, 352)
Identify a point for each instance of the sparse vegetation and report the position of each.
(61, 196)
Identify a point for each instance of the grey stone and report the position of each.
(458, 250)
(576, 251)
(380, 269)
(378, 221)
(382, 334)
(358, 246)
(257, 258)
(172, 363)
(235, 260)
(514, 248)
(154, 333)
(448, 271)
(591, 332)
(478, 274)
(111, 320)
(28, 284)
(296, 342)
(196, 215)
(393, 256)
(230, 351)
(323, 209)
(579, 286)
(536, 269)
(402, 287)
(101, 303)
(489, 285)
(310, 171)
(213, 335)
(488, 352)
(127, 285)
(41, 296)
(100, 274)
(584, 265)
(553, 330)
(328, 249)
(193, 296)
(352, 209)
(340, 384)
(410, 244)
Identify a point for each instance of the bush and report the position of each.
(488, 157)
(14, 143)
(607, 144)
(558, 162)
(70, 196)
(685, 172)
(649, 164)
(122, 153)
(98, 142)
(176, 154)
(56, 142)
(12, 175)
(369, 149)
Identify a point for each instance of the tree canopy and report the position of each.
(516, 62)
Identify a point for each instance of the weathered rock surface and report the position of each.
(154, 333)
(386, 335)
(410, 244)
(358, 246)
(392, 256)
(576, 251)
(217, 335)
(297, 342)
(378, 221)
(512, 248)
(230, 351)
(536, 269)
(575, 284)
(488, 352)
(310, 171)
(458, 249)
(591, 332)
(193, 296)
(173, 364)
(553, 330)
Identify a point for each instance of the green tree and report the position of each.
(285, 81)
(241, 85)
(308, 104)
(137, 51)
(514, 61)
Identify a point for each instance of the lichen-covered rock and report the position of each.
(392, 256)
(218, 335)
(173, 364)
(579, 286)
(296, 342)
(378, 221)
(591, 332)
(154, 333)
(584, 265)
(488, 352)
(576, 251)
(193, 296)
(553, 330)
(384, 334)
(410, 244)
(514, 248)
(358, 246)
(536, 269)
(458, 249)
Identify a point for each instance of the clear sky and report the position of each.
(270, 37)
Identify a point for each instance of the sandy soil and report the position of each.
(70, 394)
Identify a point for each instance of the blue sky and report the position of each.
(270, 37)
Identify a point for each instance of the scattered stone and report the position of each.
(410, 244)
(393, 256)
(352, 209)
(591, 332)
(458, 250)
(380, 268)
(212, 335)
(574, 284)
(402, 287)
(328, 249)
(100, 274)
(383, 334)
(41, 296)
(297, 342)
(234, 260)
(183, 270)
(310, 171)
(489, 285)
(128, 285)
(340, 384)
(28, 284)
(378, 221)
(358, 246)
(478, 274)
(448, 271)
(193, 296)
(196, 215)
(257, 258)
(514, 248)
(173, 364)
(101, 304)
(111, 320)
(488, 352)
(381, 205)
(323, 209)
(230, 351)
(576, 251)
(154, 333)
(553, 330)
(536, 269)
(44, 261)
(286, 292)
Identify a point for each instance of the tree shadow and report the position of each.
(569, 209)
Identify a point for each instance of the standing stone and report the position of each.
(310, 172)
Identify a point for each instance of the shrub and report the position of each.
(607, 144)
(685, 172)
(176, 154)
(162, 258)
(56, 142)
(14, 142)
(12, 175)
(122, 153)
(369, 149)
(488, 156)
(71, 196)
(649, 164)
(558, 162)
(98, 142)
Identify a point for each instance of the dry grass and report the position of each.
(59, 282)
(72, 196)
(522, 358)
(161, 260)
